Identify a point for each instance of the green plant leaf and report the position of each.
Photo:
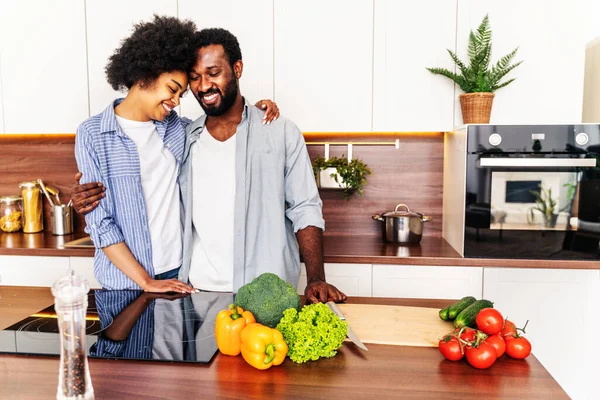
(353, 173)
(477, 75)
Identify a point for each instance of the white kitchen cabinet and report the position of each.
(410, 36)
(44, 71)
(108, 22)
(1, 97)
(425, 282)
(562, 309)
(32, 271)
(324, 63)
(549, 84)
(352, 279)
(252, 23)
(84, 267)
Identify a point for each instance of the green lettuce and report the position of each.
(312, 333)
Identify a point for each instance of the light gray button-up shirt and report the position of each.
(276, 196)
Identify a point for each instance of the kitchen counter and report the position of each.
(382, 372)
(433, 251)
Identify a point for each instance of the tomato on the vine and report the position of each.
(468, 334)
(518, 347)
(498, 342)
(481, 357)
(490, 321)
(509, 329)
(450, 348)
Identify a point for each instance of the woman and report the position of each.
(134, 147)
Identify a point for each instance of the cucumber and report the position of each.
(468, 315)
(457, 307)
(444, 313)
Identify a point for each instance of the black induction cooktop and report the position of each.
(130, 325)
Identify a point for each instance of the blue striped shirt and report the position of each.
(106, 154)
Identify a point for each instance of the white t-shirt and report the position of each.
(161, 193)
(213, 182)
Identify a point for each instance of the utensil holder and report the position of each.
(62, 219)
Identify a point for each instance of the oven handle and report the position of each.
(538, 162)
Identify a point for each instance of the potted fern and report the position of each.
(478, 80)
(342, 174)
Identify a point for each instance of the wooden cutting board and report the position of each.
(396, 325)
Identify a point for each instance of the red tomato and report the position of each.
(498, 342)
(490, 321)
(468, 334)
(450, 349)
(481, 357)
(518, 347)
(509, 329)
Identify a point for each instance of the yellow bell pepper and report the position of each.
(262, 346)
(228, 327)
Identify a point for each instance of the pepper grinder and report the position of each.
(70, 303)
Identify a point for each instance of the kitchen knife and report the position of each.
(351, 335)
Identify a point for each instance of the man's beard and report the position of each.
(227, 99)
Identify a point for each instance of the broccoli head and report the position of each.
(267, 297)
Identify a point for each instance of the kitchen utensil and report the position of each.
(402, 226)
(396, 325)
(33, 220)
(351, 335)
(41, 183)
(54, 192)
(61, 217)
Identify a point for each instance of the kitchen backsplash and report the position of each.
(411, 174)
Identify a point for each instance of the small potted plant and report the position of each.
(341, 173)
(477, 80)
(545, 204)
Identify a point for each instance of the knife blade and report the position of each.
(351, 335)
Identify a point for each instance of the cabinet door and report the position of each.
(549, 84)
(84, 267)
(32, 271)
(323, 63)
(1, 96)
(252, 23)
(410, 36)
(562, 309)
(424, 282)
(108, 22)
(44, 71)
(352, 279)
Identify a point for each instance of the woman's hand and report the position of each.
(167, 285)
(86, 197)
(271, 110)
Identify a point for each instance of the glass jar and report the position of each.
(33, 213)
(11, 212)
(70, 303)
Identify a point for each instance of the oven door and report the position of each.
(532, 207)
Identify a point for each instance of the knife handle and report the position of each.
(336, 310)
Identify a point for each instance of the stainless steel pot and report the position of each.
(402, 227)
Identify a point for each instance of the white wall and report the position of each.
(331, 65)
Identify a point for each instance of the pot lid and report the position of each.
(402, 213)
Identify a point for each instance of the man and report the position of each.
(250, 201)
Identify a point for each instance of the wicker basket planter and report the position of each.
(476, 107)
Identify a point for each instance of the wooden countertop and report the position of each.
(432, 251)
(382, 372)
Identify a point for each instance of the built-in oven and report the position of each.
(532, 191)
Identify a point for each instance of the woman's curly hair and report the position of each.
(162, 45)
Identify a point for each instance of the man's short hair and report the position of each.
(220, 36)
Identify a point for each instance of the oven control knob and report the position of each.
(582, 138)
(495, 139)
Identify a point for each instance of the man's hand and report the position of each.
(86, 197)
(321, 291)
(271, 110)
